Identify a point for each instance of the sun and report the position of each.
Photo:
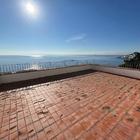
(31, 9)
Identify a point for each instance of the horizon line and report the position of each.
(57, 54)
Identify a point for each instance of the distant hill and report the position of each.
(132, 60)
(132, 57)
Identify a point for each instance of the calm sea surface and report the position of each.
(95, 59)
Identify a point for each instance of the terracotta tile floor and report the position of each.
(95, 106)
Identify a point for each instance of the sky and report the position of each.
(44, 27)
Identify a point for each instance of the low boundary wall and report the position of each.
(51, 72)
(10, 78)
(118, 71)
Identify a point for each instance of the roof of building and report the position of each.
(87, 107)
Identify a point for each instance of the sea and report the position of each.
(113, 60)
(109, 60)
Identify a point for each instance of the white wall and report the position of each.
(119, 71)
(38, 74)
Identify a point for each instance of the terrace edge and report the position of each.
(17, 77)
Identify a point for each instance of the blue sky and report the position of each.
(69, 27)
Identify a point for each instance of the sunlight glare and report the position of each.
(31, 9)
(36, 56)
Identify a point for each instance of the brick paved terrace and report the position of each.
(95, 106)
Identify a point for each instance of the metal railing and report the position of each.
(131, 65)
(26, 67)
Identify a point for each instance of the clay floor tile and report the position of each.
(13, 127)
(94, 134)
(55, 116)
(33, 137)
(21, 123)
(67, 121)
(4, 131)
(28, 120)
(61, 137)
(55, 129)
(20, 115)
(49, 133)
(38, 126)
(30, 129)
(22, 133)
(13, 118)
(44, 122)
(13, 136)
(5, 138)
(41, 136)
(117, 133)
(68, 135)
(77, 130)
(137, 134)
(61, 125)
(86, 123)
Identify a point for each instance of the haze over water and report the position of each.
(97, 59)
